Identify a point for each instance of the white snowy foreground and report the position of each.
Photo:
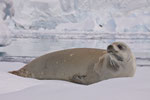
(17, 88)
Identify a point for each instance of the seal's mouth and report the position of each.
(118, 57)
(110, 51)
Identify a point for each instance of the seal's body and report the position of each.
(82, 65)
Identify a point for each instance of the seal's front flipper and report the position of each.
(80, 79)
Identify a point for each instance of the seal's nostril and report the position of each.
(110, 47)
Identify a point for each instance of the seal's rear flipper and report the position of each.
(22, 72)
(14, 72)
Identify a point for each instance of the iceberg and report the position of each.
(5, 12)
(4, 34)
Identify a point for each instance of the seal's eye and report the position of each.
(120, 47)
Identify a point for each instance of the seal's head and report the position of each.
(120, 51)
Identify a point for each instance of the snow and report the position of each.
(19, 88)
(10, 82)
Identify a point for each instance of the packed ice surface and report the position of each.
(77, 15)
(19, 88)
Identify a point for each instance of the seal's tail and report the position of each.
(15, 73)
(21, 72)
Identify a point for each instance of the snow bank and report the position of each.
(18, 88)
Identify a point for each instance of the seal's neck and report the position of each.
(112, 63)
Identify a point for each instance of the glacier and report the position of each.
(85, 15)
(76, 15)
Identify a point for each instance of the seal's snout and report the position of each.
(110, 48)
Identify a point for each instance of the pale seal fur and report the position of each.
(82, 65)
